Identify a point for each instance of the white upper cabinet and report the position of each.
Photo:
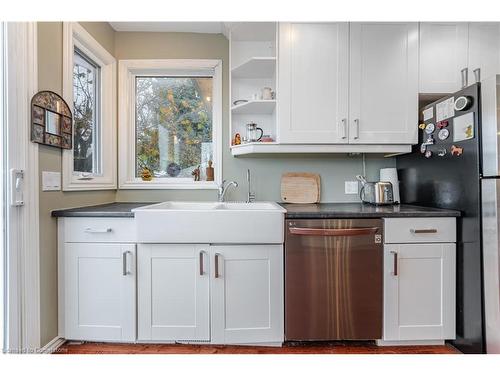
(443, 57)
(383, 105)
(484, 50)
(313, 82)
(173, 292)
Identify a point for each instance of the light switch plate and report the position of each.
(351, 187)
(51, 181)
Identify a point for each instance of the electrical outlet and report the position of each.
(351, 187)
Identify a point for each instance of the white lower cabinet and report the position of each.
(247, 294)
(173, 292)
(419, 291)
(219, 294)
(99, 291)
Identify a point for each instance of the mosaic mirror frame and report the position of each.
(51, 120)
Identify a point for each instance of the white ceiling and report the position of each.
(180, 27)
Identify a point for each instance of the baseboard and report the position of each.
(409, 342)
(52, 345)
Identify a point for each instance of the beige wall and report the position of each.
(266, 171)
(50, 39)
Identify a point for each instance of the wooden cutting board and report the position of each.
(300, 187)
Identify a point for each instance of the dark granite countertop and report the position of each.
(355, 210)
(294, 211)
(117, 209)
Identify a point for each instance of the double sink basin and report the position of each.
(210, 222)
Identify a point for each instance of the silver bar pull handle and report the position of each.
(202, 256)
(477, 74)
(105, 230)
(395, 263)
(344, 128)
(125, 263)
(465, 76)
(341, 232)
(217, 274)
(423, 231)
(356, 123)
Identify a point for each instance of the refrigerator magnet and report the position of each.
(456, 151)
(463, 127)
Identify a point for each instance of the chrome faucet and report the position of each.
(222, 188)
(250, 195)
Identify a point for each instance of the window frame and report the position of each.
(74, 35)
(127, 72)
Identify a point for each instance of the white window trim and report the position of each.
(127, 71)
(75, 35)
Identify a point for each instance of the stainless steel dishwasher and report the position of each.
(333, 279)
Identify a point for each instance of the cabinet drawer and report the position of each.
(411, 230)
(94, 229)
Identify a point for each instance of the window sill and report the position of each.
(159, 185)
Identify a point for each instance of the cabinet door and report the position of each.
(443, 56)
(247, 294)
(173, 292)
(419, 292)
(100, 291)
(484, 50)
(383, 83)
(313, 82)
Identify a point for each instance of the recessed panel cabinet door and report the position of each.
(419, 291)
(247, 294)
(313, 82)
(484, 50)
(100, 291)
(383, 107)
(443, 57)
(173, 292)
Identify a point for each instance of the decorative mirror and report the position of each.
(51, 120)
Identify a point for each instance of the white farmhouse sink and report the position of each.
(210, 222)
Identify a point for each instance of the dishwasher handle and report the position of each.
(344, 232)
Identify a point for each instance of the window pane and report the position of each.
(173, 125)
(86, 76)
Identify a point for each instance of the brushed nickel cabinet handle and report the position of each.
(217, 275)
(202, 255)
(125, 265)
(105, 230)
(356, 123)
(423, 231)
(477, 74)
(465, 76)
(395, 263)
(344, 128)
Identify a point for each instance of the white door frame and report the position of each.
(23, 281)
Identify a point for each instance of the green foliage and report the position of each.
(175, 108)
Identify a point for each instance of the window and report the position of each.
(170, 122)
(89, 83)
(86, 77)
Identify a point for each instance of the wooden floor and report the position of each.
(293, 348)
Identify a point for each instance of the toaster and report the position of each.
(378, 193)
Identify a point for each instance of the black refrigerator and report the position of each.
(455, 166)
